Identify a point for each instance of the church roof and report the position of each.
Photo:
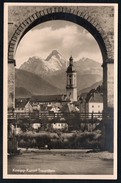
(48, 98)
(96, 98)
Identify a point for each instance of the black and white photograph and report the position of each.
(60, 90)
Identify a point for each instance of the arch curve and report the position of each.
(82, 18)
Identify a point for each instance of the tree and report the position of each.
(25, 125)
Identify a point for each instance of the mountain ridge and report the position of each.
(48, 76)
(34, 83)
(55, 62)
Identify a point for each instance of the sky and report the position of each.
(66, 37)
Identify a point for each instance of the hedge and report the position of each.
(60, 140)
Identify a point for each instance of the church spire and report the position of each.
(71, 86)
(70, 68)
(71, 61)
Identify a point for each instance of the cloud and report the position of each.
(67, 38)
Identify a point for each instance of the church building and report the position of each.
(71, 87)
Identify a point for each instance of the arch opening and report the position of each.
(89, 26)
(65, 38)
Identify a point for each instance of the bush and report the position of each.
(42, 141)
(22, 143)
(60, 140)
(84, 140)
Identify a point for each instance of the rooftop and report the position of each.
(21, 102)
(95, 97)
(49, 98)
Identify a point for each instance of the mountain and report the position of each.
(48, 76)
(83, 81)
(94, 86)
(34, 84)
(54, 62)
(28, 84)
(88, 66)
(22, 92)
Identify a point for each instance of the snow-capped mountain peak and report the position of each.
(54, 62)
(55, 54)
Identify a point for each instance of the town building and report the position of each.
(36, 126)
(59, 126)
(91, 105)
(48, 103)
(23, 105)
(95, 105)
(70, 107)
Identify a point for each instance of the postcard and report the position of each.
(60, 91)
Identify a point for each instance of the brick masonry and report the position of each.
(11, 86)
(100, 17)
(110, 79)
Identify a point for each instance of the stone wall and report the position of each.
(103, 15)
(11, 86)
(110, 85)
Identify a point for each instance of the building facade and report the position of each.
(91, 105)
(23, 105)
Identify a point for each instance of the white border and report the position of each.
(60, 4)
(5, 94)
(5, 88)
(115, 87)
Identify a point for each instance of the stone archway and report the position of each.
(82, 18)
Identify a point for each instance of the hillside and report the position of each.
(94, 86)
(83, 81)
(34, 84)
(22, 92)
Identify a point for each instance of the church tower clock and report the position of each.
(71, 87)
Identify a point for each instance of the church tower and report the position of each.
(71, 87)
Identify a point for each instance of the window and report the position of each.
(92, 106)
